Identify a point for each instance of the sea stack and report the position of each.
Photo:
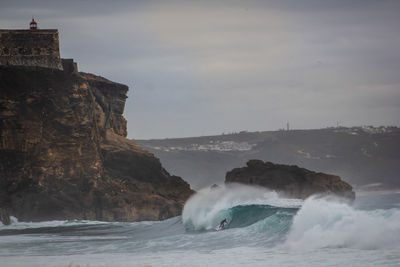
(290, 181)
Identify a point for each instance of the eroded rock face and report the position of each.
(290, 181)
(59, 159)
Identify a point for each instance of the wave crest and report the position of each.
(323, 223)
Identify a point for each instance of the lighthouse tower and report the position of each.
(33, 24)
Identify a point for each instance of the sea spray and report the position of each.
(322, 223)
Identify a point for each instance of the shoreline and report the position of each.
(377, 192)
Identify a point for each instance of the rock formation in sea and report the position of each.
(290, 181)
(64, 152)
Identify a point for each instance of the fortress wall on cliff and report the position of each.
(30, 48)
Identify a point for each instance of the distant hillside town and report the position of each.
(211, 146)
(362, 155)
(367, 129)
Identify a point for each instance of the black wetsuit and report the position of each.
(221, 225)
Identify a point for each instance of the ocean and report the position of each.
(262, 230)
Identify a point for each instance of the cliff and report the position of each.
(64, 152)
(290, 181)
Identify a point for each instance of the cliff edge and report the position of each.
(290, 181)
(64, 152)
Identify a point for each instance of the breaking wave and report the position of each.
(240, 205)
(311, 224)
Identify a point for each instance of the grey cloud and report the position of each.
(206, 67)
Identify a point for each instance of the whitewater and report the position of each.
(263, 230)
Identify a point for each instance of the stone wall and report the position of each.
(69, 65)
(30, 48)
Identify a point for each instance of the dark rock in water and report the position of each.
(4, 216)
(290, 181)
(215, 186)
(59, 159)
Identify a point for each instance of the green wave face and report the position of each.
(243, 216)
(261, 218)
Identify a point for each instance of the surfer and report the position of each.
(222, 224)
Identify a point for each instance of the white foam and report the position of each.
(325, 223)
(15, 224)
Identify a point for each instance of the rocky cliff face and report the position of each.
(64, 155)
(290, 181)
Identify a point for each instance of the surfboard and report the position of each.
(219, 227)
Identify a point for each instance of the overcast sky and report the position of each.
(207, 67)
